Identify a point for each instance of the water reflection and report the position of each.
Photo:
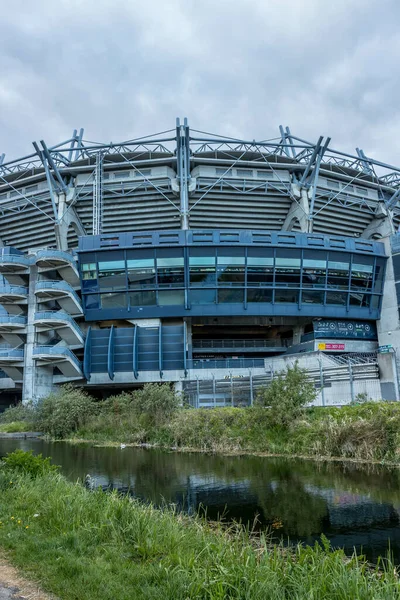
(353, 505)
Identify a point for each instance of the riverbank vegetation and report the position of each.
(278, 423)
(85, 545)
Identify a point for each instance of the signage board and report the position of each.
(325, 346)
(384, 349)
(345, 329)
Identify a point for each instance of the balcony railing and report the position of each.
(239, 344)
(13, 320)
(17, 259)
(57, 351)
(57, 285)
(55, 255)
(58, 315)
(17, 353)
(229, 363)
(8, 290)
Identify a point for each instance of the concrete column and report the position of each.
(298, 331)
(37, 381)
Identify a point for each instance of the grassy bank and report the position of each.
(153, 415)
(85, 545)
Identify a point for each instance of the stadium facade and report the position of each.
(201, 260)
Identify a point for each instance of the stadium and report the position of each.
(201, 260)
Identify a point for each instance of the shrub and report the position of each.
(64, 411)
(20, 412)
(155, 403)
(287, 395)
(28, 464)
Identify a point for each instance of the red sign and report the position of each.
(334, 346)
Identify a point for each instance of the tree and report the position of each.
(289, 392)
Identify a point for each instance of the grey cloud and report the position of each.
(240, 67)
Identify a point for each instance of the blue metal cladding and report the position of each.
(133, 349)
(228, 273)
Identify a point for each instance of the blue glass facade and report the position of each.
(225, 273)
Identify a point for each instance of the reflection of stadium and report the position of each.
(199, 258)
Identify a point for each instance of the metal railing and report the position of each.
(239, 344)
(57, 285)
(20, 290)
(58, 315)
(228, 363)
(12, 353)
(55, 254)
(13, 319)
(57, 351)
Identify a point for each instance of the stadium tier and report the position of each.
(201, 260)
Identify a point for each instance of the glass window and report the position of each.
(113, 300)
(91, 301)
(202, 267)
(207, 296)
(376, 302)
(379, 273)
(282, 295)
(170, 268)
(171, 297)
(338, 270)
(287, 268)
(259, 295)
(230, 267)
(145, 298)
(314, 269)
(230, 296)
(260, 267)
(312, 297)
(359, 299)
(88, 271)
(112, 275)
(361, 272)
(336, 298)
(141, 273)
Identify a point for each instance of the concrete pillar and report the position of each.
(37, 381)
(298, 331)
(299, 211)
(388, 376)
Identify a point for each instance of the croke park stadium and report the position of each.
(201, 260)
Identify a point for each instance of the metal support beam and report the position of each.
(98, 195)
(366, 167)
(183, 170)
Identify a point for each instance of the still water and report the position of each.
(352, 505)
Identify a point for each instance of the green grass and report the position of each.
(16, 427)
(368, 432)
(84, 545)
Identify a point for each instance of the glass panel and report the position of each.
(259, 295)
(112, 275)
(379, 272)
(376, 302)
(287, 271)
(230, 296)
(141, 273)
(113, 300)
(203, 296)
(309, 297)
(314, 269)
(230, 270)
(338, 271)
(91, 301)
(361, 272)
(260, 266)
(336, 298)
(171, 297)
(147, 298)
(359, 299)
(282, 295)
(88, 271)
(202, 268)
(171, 272)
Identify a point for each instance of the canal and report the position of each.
(353, 505)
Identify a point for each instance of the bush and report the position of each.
(289, 392)
(28, 464)
(155, 404)
(20, 412)
(64, 411)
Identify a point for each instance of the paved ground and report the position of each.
(15, 587)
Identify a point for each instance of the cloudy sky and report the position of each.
(124, 68)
